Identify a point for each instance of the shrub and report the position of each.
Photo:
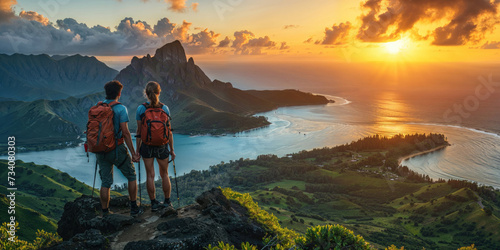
(43, 240)
(393, 247)
(331, 237)
(222, 246)
(471, 247)
(285, 237)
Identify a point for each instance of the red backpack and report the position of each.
(100, 132)
(155, 128)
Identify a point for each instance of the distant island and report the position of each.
(199, 105)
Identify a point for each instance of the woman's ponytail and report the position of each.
(152, 92)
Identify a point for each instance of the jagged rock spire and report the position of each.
(171, 52)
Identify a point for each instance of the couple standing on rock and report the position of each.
(153, 141)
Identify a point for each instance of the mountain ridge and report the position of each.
(198, 104)
(33, 77)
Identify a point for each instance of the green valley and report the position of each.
(361, 187)
(41, 195)
(358, 185)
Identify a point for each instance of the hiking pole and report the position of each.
(176, 187)
(140, 189)
(95, 173)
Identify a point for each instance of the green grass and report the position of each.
(41, 195)
(29, 220)
(365, 206)
(288, 184)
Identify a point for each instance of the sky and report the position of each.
(336, 30)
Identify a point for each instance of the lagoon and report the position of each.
(473, 155)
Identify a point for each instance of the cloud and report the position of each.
(491, 45)
(261, 42)
(164, 27)
(309, 40)
(31, 33)
(284, 46)
(177, 5)
(290, 26)
(194, 6)
(181, 33)
(6, 11)
(202, 42)
(224, 43)
(245, 43)
(241, 38)
(32, 15)
(337, 35)
(464, 20)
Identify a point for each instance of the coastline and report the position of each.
(401, 159)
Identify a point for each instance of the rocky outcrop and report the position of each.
(84, 214)
(212, 219)
(171, 52)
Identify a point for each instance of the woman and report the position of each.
(148, 152)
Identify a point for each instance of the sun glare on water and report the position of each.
(396, 46)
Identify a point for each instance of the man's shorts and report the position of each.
(159, 152)
(121, 159)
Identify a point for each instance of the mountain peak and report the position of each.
(171, 52)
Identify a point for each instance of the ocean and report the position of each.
(459, 100)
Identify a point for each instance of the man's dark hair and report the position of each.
(113, 88)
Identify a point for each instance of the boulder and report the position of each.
(90, 239)
(85, 213)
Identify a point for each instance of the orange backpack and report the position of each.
(100, 132)
(155, 127)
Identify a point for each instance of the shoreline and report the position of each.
(401, 159)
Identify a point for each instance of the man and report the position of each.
(118, 157)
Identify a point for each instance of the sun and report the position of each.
(396, 46)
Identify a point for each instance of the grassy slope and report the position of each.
(379, 205)
(29, 220)
(366, 218)
(45, 190)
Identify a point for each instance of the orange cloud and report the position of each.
(337, 35)
(465, 20)
(32, 15)
(245, 43)
(181, 33)
(6, 11)
(180, 5)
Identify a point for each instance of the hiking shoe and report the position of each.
(104, 214)
(167, 205)
(156, 205)
(136, 211)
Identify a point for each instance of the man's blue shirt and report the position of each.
(121, 115)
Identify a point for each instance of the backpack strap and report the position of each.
(114, 103)
(146, 107)
(161, 106)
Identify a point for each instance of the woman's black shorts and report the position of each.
(159, 152)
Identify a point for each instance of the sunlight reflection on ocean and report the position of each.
(473, 155)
